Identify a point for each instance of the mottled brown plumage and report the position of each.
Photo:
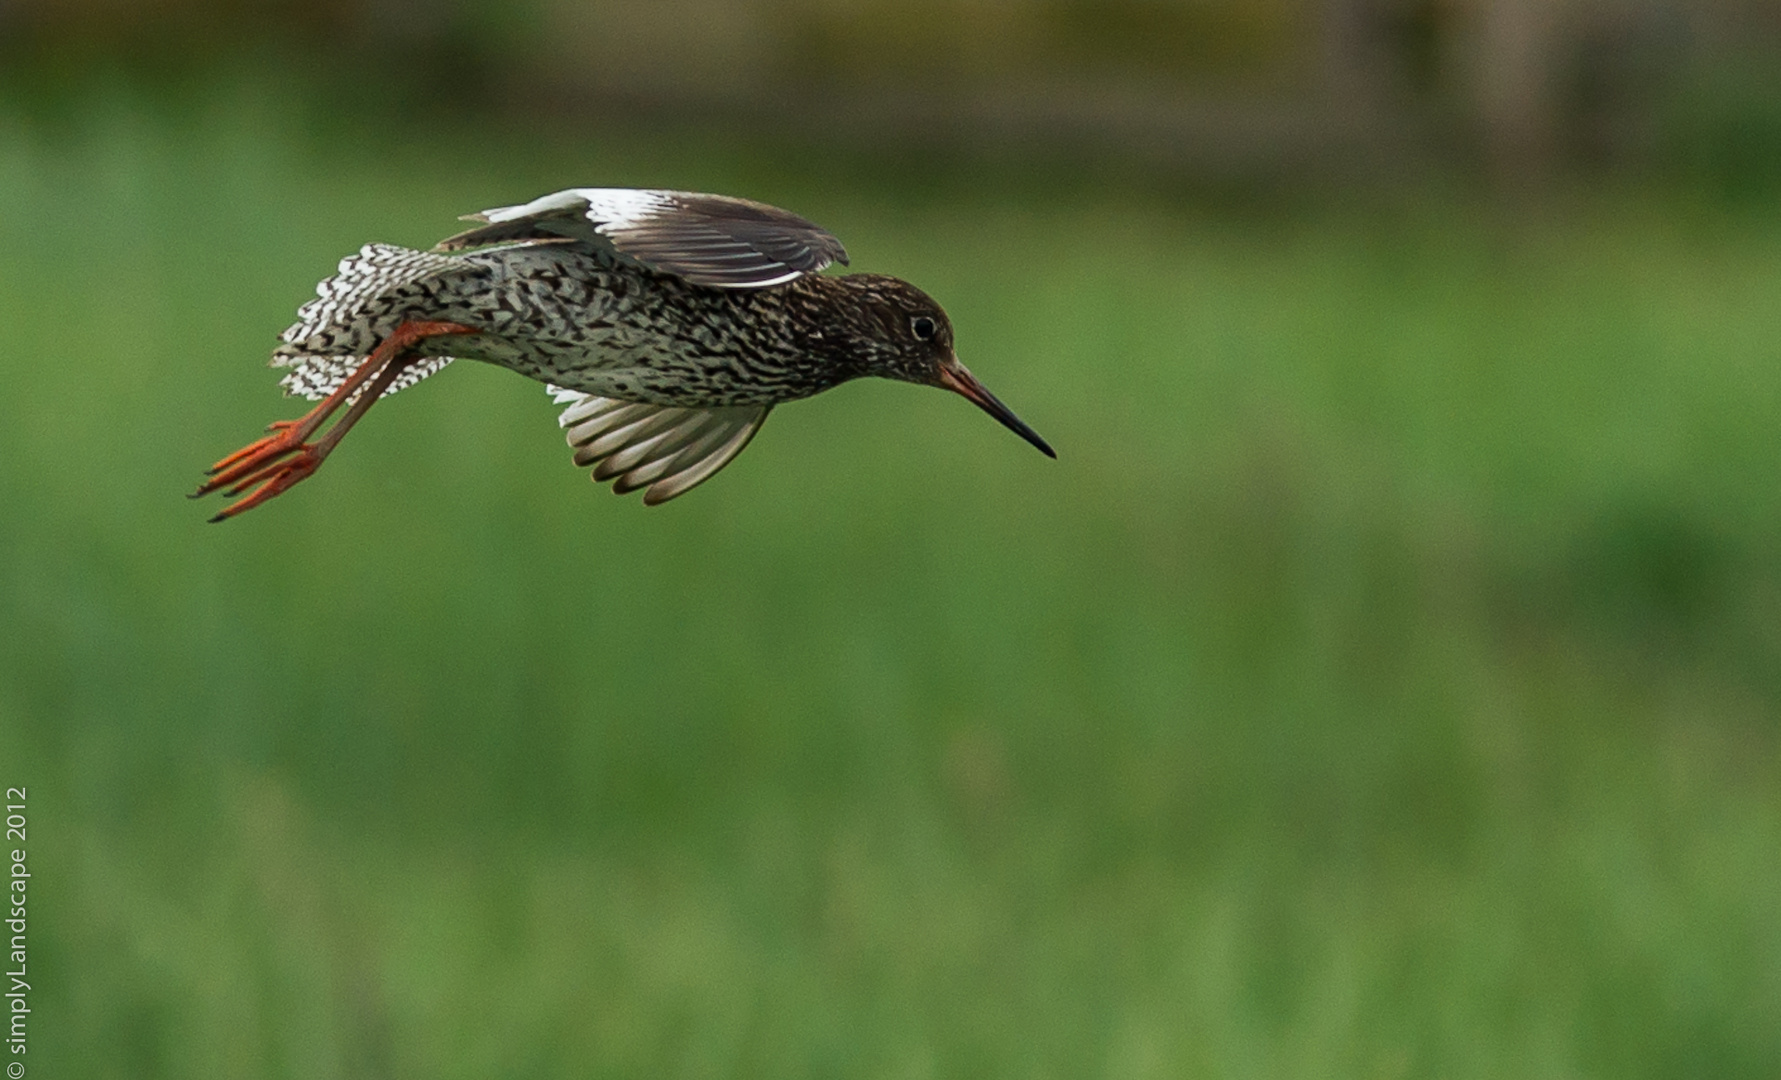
(670, 324)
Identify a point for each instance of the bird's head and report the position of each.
(896, 331)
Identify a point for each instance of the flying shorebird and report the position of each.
(670, 323)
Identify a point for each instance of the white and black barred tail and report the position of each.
(353, 310)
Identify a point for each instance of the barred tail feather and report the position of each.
(335, 331)
(315, 377)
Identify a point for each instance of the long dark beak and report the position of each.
(955, 377)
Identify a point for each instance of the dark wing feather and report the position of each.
(711, 240)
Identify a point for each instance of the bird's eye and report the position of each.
(923, 327)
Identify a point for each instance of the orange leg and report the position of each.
(268, 465)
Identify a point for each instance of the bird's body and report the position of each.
(584, 320)
(669, 323)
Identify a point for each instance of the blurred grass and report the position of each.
(1381, 684)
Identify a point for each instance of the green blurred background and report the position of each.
(1385, 682)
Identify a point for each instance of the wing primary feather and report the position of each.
(619, 437)
(587, 407)
(663, 447)
(593, 421)
(583, 434)
(699, 444)
(623, 439)
(660, 466)
(667, 449)
(683, 481)
(628, 457)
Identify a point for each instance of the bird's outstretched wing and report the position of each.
(707, 239)
(668, 450)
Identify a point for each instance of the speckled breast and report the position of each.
(586, 321)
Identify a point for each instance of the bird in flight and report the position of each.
(668, 323)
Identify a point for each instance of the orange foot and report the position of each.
(279, 430)
(238, 471)
(282, 459)
(273, 477)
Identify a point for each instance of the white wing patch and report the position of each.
(620, 208)
(665, 449)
